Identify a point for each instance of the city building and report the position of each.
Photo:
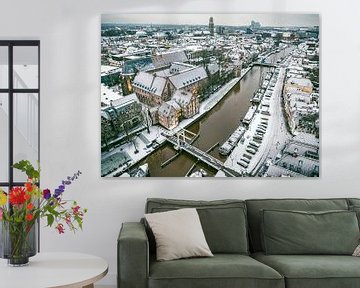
(188, 102)
(189, 80)
(165, 59)
(108, 95)
(211, 26)
(300, 157)
(120, 119)
(152, 90)
(156, 86)
(220, 30)
(300, 84)
(255, 25)
(169, 114)
(301, 165)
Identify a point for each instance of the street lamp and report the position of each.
(136, 150)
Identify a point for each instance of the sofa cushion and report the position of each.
(353, 201)
(222, 270)
(313, 271)
(255, 206)
(223, 221)
(356, 209)
(178, 234)
(297, 232)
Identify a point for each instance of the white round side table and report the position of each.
(54, 270)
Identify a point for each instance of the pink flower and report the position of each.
(60, 228)
(76, 210)
(1, 213)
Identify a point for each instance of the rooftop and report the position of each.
(188, 77)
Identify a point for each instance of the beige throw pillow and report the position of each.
(178, 234)
(357, 251)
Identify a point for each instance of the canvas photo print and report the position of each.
(210, 95)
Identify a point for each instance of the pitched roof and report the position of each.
(182, 97)
(167, 58)
(300, 81)
(149, 83)
(166, 109)
(188, 77)
(125, 100)
(308, 166)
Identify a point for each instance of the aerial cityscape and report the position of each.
(196, 95)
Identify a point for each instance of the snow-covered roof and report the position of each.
(307, 166)
(300, 82)
(167, 58)
(149, 83)
(301, 149)
(107, 69)
(277, 171)
(169, 107)
(177, 67)
(188, 77)
(125, 100)
(182, 97)
(306, 138)
(108, 95)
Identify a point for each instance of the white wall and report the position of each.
(69, 31)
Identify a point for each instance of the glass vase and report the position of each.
(18, 242)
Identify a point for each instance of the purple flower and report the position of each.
(68, 181)
(57, 193)
(46, 194)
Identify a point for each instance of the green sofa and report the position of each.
(234, 232)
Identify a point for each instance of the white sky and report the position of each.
(269, 19)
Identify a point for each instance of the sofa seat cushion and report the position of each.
(313, 271)
(222, 270)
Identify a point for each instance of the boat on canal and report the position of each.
(231, 142)
(249, 115)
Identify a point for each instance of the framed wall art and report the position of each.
(210, 95)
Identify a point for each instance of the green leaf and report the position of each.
(50, 219)
(26, 167)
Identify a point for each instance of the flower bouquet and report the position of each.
(21, 208)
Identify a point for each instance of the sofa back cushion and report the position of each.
(223, 221)
(298, 232)
(255, 206)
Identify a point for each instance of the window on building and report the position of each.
(19, 108)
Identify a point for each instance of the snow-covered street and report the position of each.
(270, 119)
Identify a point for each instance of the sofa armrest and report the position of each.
(133, 256)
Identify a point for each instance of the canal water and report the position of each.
(215, 127)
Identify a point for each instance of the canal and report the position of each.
(215, 127)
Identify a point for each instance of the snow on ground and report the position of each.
(274, 138)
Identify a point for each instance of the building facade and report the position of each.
(169, 115)
(188, 102)
(121, 119)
